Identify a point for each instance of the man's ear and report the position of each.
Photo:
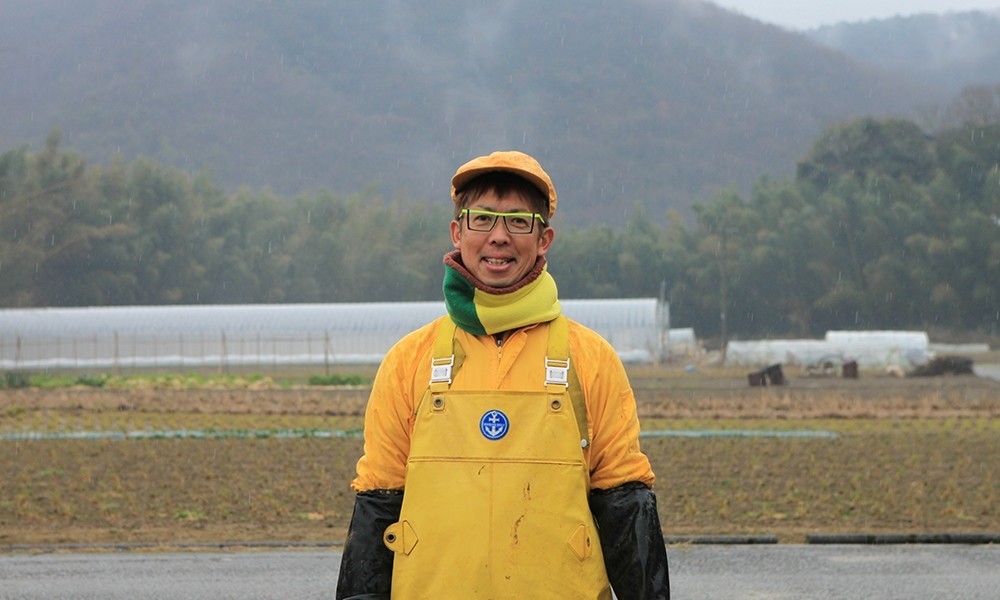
(545, 241)
(456, 234)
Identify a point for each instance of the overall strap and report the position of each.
(560, 375)
(447, 358)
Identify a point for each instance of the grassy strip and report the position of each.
(184, 434)
(19, 380)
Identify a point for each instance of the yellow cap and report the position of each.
(512, 161)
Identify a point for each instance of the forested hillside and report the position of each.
(627, 103)
(882, 226)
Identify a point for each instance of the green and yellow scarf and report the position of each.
(483, 310)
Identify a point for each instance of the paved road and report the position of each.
(697, 573)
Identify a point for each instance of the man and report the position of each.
(501, 455)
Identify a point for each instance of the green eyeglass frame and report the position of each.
(517, 223)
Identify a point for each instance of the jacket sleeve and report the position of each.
(366, 566)
(635, 556)
(614, 456)
(390, 411)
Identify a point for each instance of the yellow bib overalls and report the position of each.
(495, 503)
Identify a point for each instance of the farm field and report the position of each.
(262, 463)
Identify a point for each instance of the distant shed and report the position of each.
(266, 335)
(682, 344)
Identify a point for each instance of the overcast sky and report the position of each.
(805, 14)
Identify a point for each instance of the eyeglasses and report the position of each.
(485, 220)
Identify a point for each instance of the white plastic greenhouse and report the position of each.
(269, 335)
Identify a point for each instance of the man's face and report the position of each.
(499, 258)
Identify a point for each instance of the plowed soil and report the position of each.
(908, 455)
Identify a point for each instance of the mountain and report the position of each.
(628, 103)
(954, 50)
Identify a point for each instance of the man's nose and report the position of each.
(499, 233)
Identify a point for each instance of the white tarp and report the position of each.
(871, 349)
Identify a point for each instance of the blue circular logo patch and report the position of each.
(494, 425)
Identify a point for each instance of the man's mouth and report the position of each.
(498, 262)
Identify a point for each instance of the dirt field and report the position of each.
(908, 455)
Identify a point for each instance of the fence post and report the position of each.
(222, 355)
(326, 352)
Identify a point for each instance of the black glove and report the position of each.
(635, 556)
(366, 567)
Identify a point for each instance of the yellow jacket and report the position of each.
(613, 456)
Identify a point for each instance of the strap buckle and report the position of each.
(556, 372)
(441, 369)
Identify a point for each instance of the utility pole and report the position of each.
(724, 293)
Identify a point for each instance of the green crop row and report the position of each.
(20, 380)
